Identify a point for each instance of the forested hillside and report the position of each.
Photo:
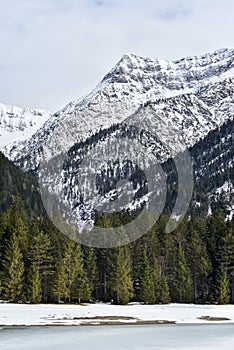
(14, 181)
(213, 161)
(192, 264)
(195, 263)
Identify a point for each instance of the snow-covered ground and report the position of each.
(39, 315)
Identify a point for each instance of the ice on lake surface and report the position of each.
(163, 337)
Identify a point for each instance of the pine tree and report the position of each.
(147, 291)
(222, 290)
(136, 253)
(34, 285)
(70, 269)
(13, 271)
(40, 255)
(164, 297)
(90, 266)
(161, 288)
(19, 224)
(199, 265)
(216, 230)
(60, 289)
(77, 285)
(166, 255)
(156, 280)
(4, 223)
(183, 288)
(81, 289)
(226, 258)
(102, 266)
(121, 281)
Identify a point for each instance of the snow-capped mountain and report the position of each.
(17, 124)
(132, 83)
(164, 106)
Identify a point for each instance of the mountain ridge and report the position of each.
(114, 100)
(169, 106)
(18, 124)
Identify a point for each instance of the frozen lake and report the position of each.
(161, 337)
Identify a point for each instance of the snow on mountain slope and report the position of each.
(192, 116)
(132, 83)
(164, 106)
(225, 192)
(185, 115)
(172, 78)
(17, 124)
(213, 164)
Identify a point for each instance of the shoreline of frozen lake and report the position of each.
(108, 314)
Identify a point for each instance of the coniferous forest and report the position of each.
(195, 263)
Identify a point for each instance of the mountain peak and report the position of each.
(17, 124)
(182, 73)
(130, 60)
(132, 82)
(129, 56)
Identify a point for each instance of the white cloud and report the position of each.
(53, 51)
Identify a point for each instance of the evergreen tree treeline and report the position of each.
(195, 263)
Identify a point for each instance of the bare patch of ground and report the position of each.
(110, 320)
(210, 318)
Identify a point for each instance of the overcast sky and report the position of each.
(54, 51)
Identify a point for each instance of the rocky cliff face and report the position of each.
(193, 95)
(17, 124)
(164, 107)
